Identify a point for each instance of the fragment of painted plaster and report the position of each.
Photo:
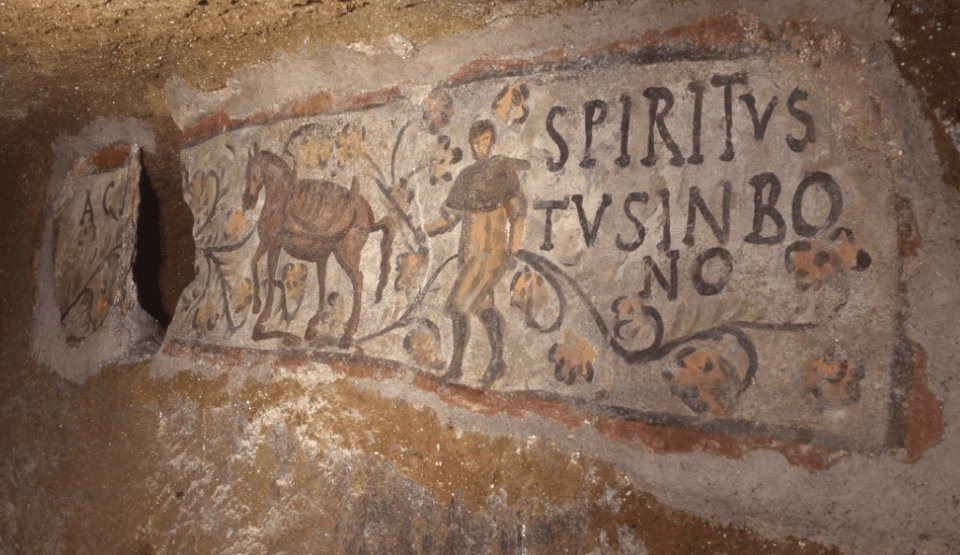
(94, 238)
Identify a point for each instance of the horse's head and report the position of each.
(254, 178)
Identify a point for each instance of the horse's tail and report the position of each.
(385, 225)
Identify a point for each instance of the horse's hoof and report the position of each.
(344, 342)
(452, 376)
(256, 306)
(494, 372)
(311, 334)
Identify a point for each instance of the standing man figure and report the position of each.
(486, 198)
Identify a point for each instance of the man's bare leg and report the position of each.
(493, 323)
(461, 334)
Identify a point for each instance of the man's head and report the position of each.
(482, 136)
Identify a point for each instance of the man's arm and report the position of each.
(443, 224)
(516, 213)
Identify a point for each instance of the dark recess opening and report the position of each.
(149, 252)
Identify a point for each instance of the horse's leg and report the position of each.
(261, 248)
(347, 253)
(386, 226)
(321, 282)
(273, 256)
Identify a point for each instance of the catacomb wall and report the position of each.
(637, 278)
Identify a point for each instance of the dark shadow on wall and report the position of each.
(149, 253)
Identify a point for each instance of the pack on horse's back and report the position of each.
(321, 208)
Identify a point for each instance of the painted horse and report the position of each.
(310, 219)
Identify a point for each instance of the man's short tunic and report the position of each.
(488, 197)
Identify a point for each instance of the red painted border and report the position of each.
(711, 34)
(110, 157)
